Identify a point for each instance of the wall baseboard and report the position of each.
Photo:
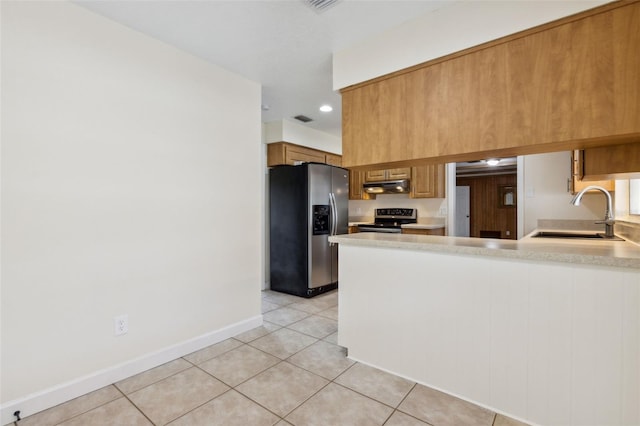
(64, 392)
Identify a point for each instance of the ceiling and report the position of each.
(505, 166)
(285, 45)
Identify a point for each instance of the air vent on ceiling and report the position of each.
(320, 5)
(303, 118)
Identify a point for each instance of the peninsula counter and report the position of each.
(544, 331)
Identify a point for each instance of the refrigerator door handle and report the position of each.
(334, 217)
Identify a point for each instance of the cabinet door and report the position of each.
(577, 174)
(427, 181)
(375, 175)
(411, 231)
(334, 160)
(402, 173)
(355, 185)
(295, 154)
(356, 179)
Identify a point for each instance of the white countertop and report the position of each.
(621, 254)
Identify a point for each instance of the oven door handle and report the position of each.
(384, 230)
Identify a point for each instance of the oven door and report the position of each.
(389, 230)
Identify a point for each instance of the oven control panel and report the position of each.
(396, 213)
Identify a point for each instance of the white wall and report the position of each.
(546, 195)
(288, 131)
(450, 29)
(117, 151)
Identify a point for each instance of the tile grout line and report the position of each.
(139, 409)
(289, 363)
(366, 396)
(251, 399)
(192, 365)
(307, 334)
(86, 411)
(195, 408)
(397, 409)
(289, 356)
(280, 361)
(393, 409)
(303, 402)
(241, 344)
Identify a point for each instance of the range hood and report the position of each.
(387, 187)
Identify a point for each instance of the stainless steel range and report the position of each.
(390, 220)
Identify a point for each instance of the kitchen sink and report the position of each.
(576, 235)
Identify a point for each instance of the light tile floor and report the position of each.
(290, 371)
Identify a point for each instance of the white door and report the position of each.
(462, 211)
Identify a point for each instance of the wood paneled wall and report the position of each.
(486, 213)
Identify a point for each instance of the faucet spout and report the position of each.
(608, 213)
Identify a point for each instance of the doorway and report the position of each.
(486, 199)
(463, 212)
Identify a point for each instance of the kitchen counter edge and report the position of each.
(620, 254)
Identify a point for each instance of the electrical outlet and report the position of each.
(121, 324)
(530, 192)
(443, 211)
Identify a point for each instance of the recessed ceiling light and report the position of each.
(493, 161)
(326, 108)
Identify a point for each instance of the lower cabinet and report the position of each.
(353, 229)
(415, 231)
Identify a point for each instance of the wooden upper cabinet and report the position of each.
(388, 174)
(287, 153)
(567, 84)
(614, 161)
(375, 175)
(333, 159)
(428, 181)
(356, 179)
(577, 182)
(396, 174)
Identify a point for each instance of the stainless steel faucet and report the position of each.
(608, 213)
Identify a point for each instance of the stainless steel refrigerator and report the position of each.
(307, 204)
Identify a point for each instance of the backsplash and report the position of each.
(630, 231)
(427, 207)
